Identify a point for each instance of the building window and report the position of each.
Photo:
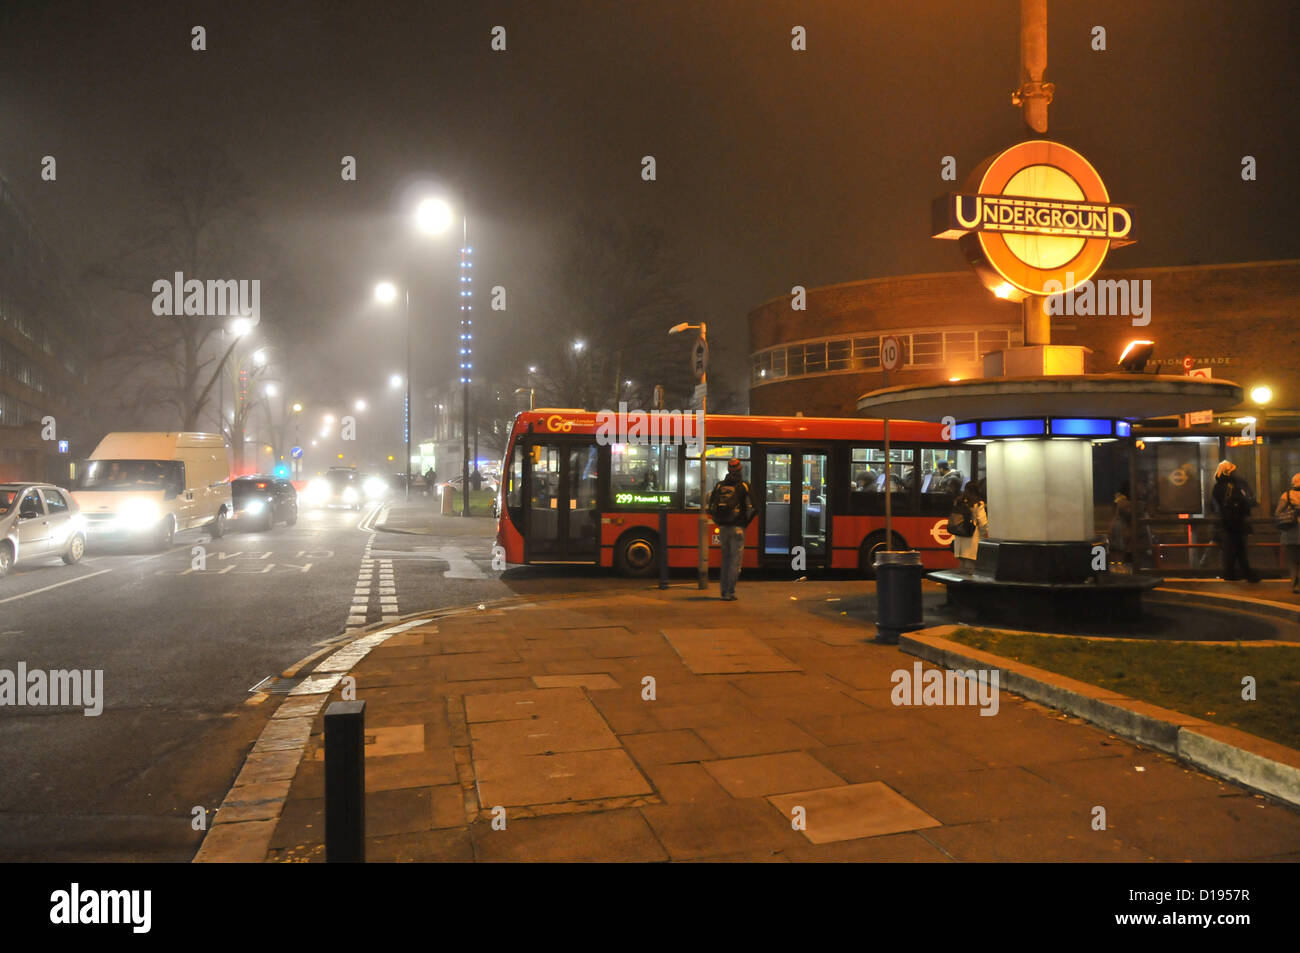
(958, 346)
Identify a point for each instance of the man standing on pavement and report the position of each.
(731, 509)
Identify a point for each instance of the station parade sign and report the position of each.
(1035, 219)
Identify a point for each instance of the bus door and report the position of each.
(795, 506)
(561, 519)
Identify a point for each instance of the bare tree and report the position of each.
(617, 288)
(196, 222)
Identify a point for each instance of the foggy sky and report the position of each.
(775, 168)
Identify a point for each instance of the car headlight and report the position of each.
(138, 514)
(317, 490)
(349, 495)
(254, 506)
(375, 488)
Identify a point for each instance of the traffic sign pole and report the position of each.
(890, 354)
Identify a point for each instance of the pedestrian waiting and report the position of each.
(731, 509)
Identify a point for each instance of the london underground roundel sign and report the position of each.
(1035, 219)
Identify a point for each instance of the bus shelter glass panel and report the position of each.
(717, 456)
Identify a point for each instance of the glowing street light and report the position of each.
(395, 381)
(433, 216)
(1261, 395)
(385, 292)
(360, 405)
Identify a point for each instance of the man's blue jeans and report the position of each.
(732, 541)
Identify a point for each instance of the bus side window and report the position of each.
(867, 480)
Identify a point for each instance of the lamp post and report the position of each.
(466, 354)
(699, 364)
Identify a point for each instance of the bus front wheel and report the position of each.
(637, 554)
(870, 546)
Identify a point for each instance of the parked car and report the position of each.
(340, 486)
(39, 521)
(262, 501)
(152, 486)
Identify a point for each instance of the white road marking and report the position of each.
(66, 582)
(459, 566)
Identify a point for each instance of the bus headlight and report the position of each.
(375, 488)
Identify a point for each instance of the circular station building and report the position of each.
(1238, 322)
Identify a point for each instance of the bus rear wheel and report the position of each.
(873, 544)
(637, 554)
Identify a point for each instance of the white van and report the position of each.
(151, 486)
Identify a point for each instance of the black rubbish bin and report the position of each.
(898, 594)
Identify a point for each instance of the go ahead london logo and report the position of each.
(1035, 219)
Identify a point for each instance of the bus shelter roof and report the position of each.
(1116, 396)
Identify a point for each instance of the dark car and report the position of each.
(262, 501)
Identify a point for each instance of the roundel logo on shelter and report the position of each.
(1035, 219)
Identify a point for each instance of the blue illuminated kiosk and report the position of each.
(1038, 433)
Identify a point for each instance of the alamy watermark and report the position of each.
(77, 906)
(1101, 298)
(946, 687)
(55, 688)
(220, 298)
(661, 428)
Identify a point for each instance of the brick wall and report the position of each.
(1242, 320)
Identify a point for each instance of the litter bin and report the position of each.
(898, 594)
(445, 492)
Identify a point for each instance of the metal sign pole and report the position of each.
(889, 491)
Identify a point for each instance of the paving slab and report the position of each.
(726, 651)
(853, 810)
(564, 776)
(615, 835)
(771, 774)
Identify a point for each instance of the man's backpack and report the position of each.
(962, 520)
(728, 509)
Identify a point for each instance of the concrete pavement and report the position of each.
(651, 725)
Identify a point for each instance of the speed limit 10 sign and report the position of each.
(891, 353)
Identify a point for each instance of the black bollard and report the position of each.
(345, 783)
(663, 547)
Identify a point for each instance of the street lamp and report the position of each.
(700, 365)
(360, 405)
(432, 216)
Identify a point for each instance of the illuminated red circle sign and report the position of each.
(1035, 219)
(891, 353)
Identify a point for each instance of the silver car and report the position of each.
(39, 521)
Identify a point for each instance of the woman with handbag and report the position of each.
(1287, 515)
